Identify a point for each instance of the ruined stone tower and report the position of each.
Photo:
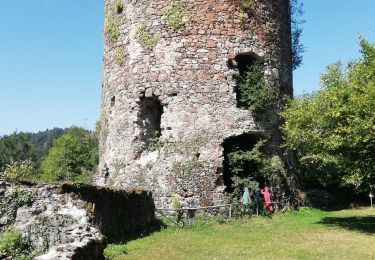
(169, 106)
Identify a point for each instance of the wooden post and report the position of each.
(230, 211)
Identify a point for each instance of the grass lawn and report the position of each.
(304, 234)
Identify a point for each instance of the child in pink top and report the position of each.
(267, 198)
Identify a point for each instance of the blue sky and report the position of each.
(51, 56)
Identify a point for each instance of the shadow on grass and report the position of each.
(154, 227)
(362, 224)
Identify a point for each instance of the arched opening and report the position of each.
(233, 148)
(149, 120)
(245, 61)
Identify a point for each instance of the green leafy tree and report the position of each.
(333, 130)
(73, 157)
(21, 147)
(14, 148)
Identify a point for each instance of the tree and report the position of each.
(20, 147)
(73, 156)
(333, 130)
(15, 148)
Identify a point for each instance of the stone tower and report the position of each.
(169, 105)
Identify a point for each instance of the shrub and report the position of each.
(147, 40)
(112, 29)
(17, 171)
(263, 165)
(14, 245)
(73, 156)
(176, 17)
(252, 90)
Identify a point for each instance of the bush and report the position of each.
(73, 157)
(252, 90)
(262, 166)
(13, 244)
(16, 171)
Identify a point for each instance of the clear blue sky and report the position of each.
(51, 56)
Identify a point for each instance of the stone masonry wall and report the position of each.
(188, 76)
(72, 221)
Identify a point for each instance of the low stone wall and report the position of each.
(116, 211)
(71, 221)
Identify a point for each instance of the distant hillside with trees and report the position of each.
(70, 154)
(27, 146)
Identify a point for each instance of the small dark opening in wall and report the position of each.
(244, 142)
(245, 61)
(113, 101)
(149, 119)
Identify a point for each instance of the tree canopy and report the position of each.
(73, 156)
(333, 130)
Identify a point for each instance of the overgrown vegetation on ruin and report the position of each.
(252, 91)
(120, 56)
(146, 39)
(247, 8)
(261, 165)
(14, 245)
(112, 29)
(175, 16)
(17, 198)
(119, 6)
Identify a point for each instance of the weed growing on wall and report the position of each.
(119, 7)
(252, 90)
(14, 245)
(120, 56)
(146, 39)
(245, 4)
(175, 16)
(112, 29)
(9, 205)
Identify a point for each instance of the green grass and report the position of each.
(304, 234)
